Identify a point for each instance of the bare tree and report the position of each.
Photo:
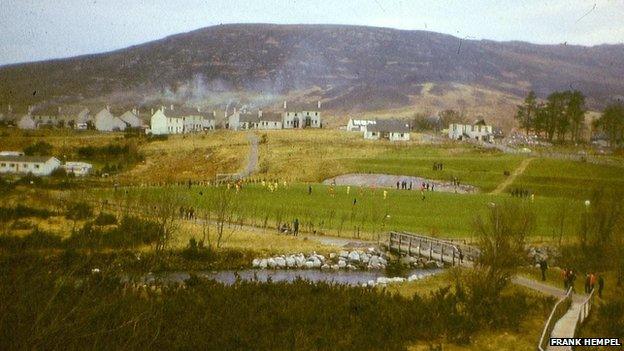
(601, 232)
(164, 209)
(501, 236)
(224, 206)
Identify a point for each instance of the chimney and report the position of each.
(171, 107)
(162, 108)
(30, 109)
(10, 109)
(152, 111)
(107, 107)
(259, 112)
(134, 111)
(285, 104)
(318, 104)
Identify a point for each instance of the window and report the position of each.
(3, 165)
(36, 166)
(12, 165)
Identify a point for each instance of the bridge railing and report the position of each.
(586, 307)
(560, 308)
(432, 247)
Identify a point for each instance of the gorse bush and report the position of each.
(131, 232)
(98, 311)
(40, 148)
(105, 219)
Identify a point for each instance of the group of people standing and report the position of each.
(591, 280)
(438, 166)
(285, 228)
(187, 212)
(519, 192)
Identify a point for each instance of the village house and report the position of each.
(78, 169)
(131, 118)
(358, 125)
(391, 129)
(104, 121)
(479, 131)
(269, 120)
(35, 165)
(302, 116)
(7, 116)
(26, 122)
(179, 120)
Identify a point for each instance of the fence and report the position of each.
(586, 307)
(560, 308)
(425, 246)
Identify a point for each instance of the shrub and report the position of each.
(40, 148)
(105, 219)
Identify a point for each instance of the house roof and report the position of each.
(389, 125)
(480, 122)
(34, 159)
(302, 106)
(179, 112)
(248, 118)
(271, 117)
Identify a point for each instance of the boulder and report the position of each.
(354, 256)
(271, 262)
(343, 254)
(309, 264)
(342, 264)
(280, 262)
(255, 263)
(290, 262)
(364, 257)
(332, 255)
(351, 267)
(335, 267)
(263, 263)
(325, 266)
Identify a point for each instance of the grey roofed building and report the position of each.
(23, 158)
(389, 125)
(271, 117)
(249, 118)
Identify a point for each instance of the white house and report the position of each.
(269, 120)
(358, 125)
(302, 116)
(105, 121)
(36, 165)
(78, 168)
(391, 129)
(479, 130)
(26, 122)
(178, 120)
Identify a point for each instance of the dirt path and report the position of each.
(518, 171)
(252, 159)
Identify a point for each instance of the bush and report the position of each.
(79, 211)
(40, 148)
(105, 219)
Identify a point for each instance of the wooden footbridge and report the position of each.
(566, 316)
(453, 252)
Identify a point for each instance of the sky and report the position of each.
(32, 30)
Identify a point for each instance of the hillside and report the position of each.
(351, 68)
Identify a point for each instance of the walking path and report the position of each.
(252, 159)
(566, 326)
(518, 171)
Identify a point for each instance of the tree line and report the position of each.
(561, 117)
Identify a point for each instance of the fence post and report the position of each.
(430, 250)
(409, 246)
(442, 253)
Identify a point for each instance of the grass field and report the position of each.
(440, 214)
(551, 177)
(312, 156)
